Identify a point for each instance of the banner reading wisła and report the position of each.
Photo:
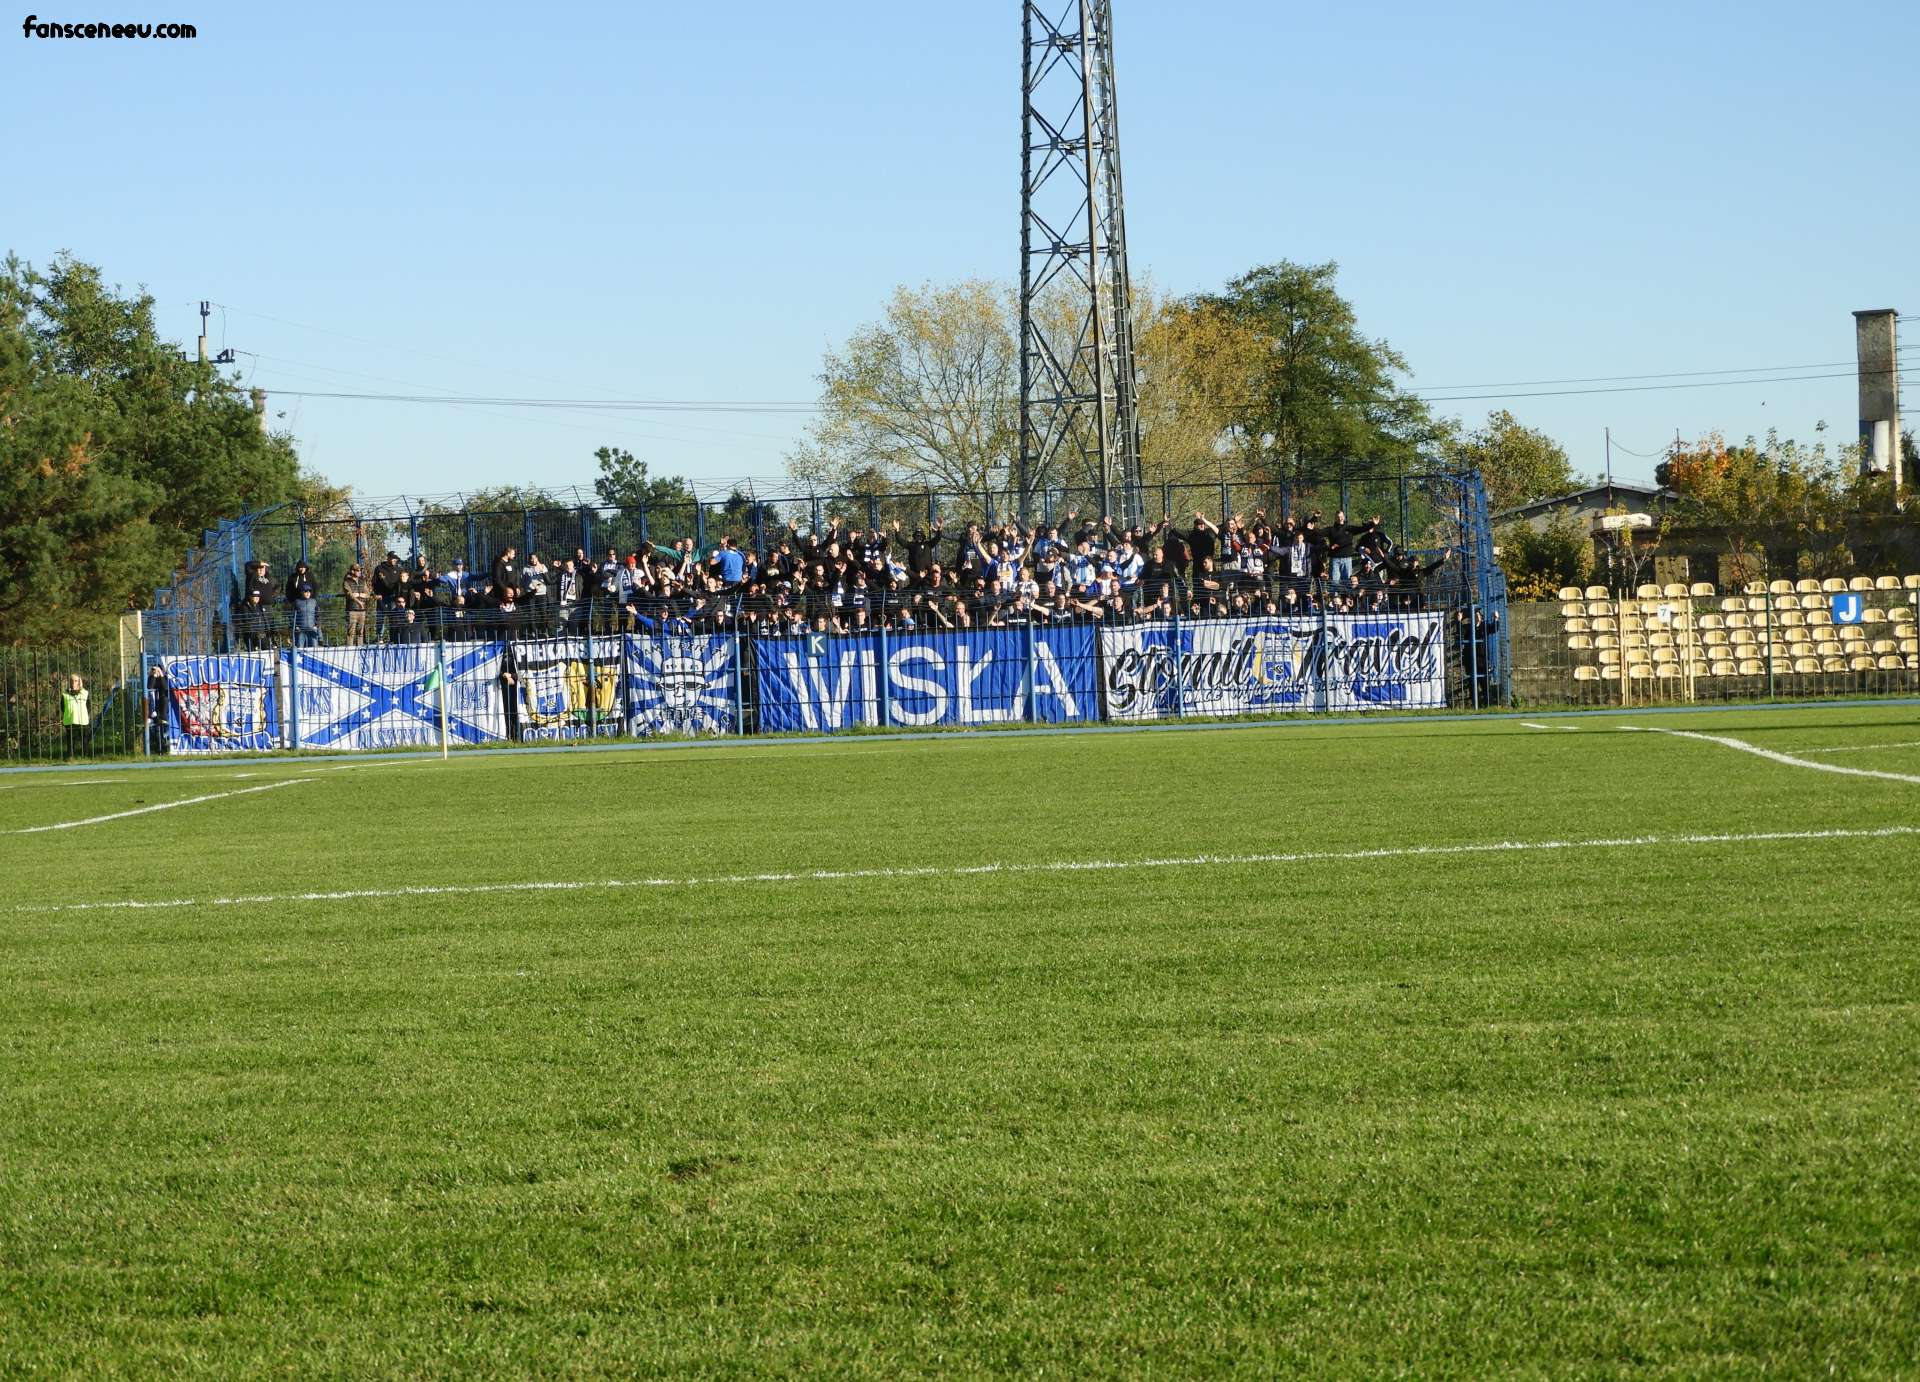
(1276, 666)
(959, 678)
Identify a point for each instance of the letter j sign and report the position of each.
(1847, 609)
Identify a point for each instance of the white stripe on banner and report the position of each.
(1884, 832)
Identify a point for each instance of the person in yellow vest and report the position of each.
(76, 716)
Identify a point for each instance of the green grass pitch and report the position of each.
(1291, 1071)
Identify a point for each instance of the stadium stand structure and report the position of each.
(1831, 636)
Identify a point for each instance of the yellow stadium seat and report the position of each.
(1722, 668)
(1701, 590)
(1890, 663)
(1578, 626)
(1860, 663)
(1873, 615)
(1806, 664)
(1608, 656)
(1579, 643)
(1647, 592)
(1739, 621)
(1733, 604)
(1600, 607)
(1606, 640)
(1638, 672)
(1807, 587)
(1900, 614)
(1910, 582)
(1780, 587)
(1596, 592)
(1603, 625)
(1755, 588)
(1752, 667)
(1712, 621)
(1833, 664)
(1833, 585)
(1860, 583)
(1886, 583)
(1819, 618)
(1786, 601)
(1570, 593)
(1610, 673)
(1586, 674)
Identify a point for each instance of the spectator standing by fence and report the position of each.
(305, 602)
(357, 592)
(76, 716)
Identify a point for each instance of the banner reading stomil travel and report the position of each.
(1276, 666)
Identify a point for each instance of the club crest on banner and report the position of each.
(220, 704)
(680, 684)
(564, 694)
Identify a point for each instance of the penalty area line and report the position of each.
(1773, 756)
(162, 806)
(974, 870)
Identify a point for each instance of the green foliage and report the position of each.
(1776, 488)
(1321, 393)
(115, 454)
(1538, 562)
(1517, 464)
(929, 395)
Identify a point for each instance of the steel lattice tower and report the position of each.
(1078, 423)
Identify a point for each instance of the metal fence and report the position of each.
(1423, 511)
(32, 728)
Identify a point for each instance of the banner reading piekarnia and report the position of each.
(1275, 666)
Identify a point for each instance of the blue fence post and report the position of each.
(293, 698)
(645, 541)
(303, 537)
(592, 681)
(1179, 681)
(1473, 651)
(933, 510)
(526, 530)
(1405, 510)
(1027, 680)
(586, 534)
(699, 528)
(885, 689)
(474, 563)
(739, 684)
(759, 513)
(816, 513)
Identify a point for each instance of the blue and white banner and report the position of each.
(821, 684)
(681, 684)
(381, 697)
(564, 694)
(1275, 666)
(221, 704)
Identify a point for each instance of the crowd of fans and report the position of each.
(853, 579)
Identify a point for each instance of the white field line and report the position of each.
(163, 806)
(1774, 757)
(1570, 729)
(977, 870)
(1865, 748)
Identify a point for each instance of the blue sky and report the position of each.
(695, 202)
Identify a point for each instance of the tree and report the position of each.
(624, 482)
(1539, 561)
(666, 503)
(1320, 394)
(115, 453)
(1516, 463)
(929, 395)
(1773, 486)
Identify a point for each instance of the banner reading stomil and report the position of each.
(1275, 666)
(221, 704)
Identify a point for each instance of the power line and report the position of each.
(774, 408)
